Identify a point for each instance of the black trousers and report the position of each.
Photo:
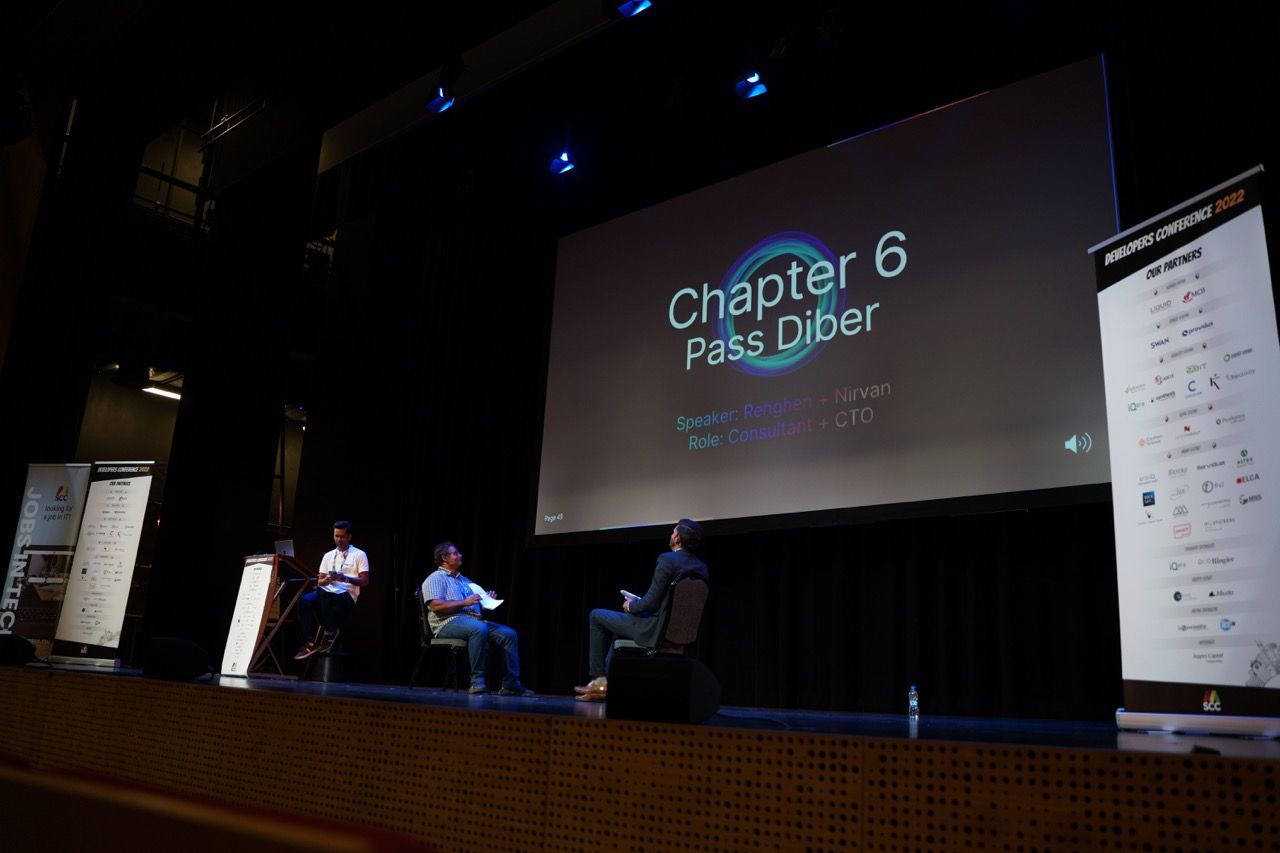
(332, 608)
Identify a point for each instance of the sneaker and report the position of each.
(516, 689)
(477, 688)
(326, 641)
(308, 649)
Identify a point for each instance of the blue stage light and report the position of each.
(561, 164)
(441, 102)
(749, 86)
(633, 7)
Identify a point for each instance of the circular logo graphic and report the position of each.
(809, 250)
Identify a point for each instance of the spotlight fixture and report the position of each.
(560, 165)
(633, 7)
(442, 101)
(749, 86)
(446, 85)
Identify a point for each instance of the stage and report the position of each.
(489, 772)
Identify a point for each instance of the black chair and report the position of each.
(457, 648)
(686, 599)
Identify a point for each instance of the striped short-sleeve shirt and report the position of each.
(442, 586)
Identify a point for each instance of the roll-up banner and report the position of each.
(43, 546)
(1191, 361)
(101, 577)
(253, 606)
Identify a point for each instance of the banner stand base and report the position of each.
(1167, 722)
(108, 663)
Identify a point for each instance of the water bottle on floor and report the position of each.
(913, 704)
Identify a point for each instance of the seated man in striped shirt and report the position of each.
(454, 612)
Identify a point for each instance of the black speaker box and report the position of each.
(175, 659)
(16, 650)
(662, 688)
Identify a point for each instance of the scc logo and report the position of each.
(1212, 702)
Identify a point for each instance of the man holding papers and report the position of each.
(455, 610)
(641, 617)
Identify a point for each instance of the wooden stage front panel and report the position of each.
(490, 780)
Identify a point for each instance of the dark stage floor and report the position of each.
(996, 731)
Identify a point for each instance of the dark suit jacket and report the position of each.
(652, 607)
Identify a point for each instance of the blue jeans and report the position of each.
(478, 636)
(604, 626)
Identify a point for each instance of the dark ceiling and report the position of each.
(646, 104)
(652, 85)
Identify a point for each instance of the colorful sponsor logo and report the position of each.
(1212, 701)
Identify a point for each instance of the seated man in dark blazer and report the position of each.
(641, 617)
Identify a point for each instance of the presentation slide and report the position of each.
(1192, 366)
(903, 316)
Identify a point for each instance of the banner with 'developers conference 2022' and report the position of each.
(101, 579)
(1191, 362)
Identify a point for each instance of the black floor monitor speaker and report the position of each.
(175, 659)
(15, 650)
(662, 688)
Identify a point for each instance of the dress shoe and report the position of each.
(593, 696)
(591, 686)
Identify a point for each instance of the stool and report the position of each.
(327, 667)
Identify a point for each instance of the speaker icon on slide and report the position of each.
(1081, 443)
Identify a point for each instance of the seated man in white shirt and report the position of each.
(454, 612)
(343, 571)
